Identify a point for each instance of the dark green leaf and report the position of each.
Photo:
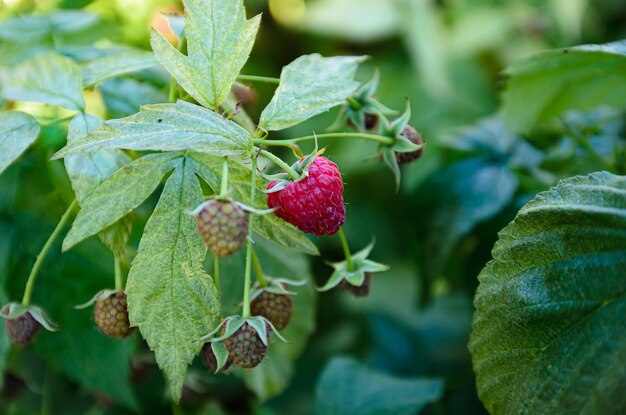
(17, 132)
(115, 65)
(548, 333)
(119, 195)
(48, 78)
(168, 127)
(171, 298)
(309, 86)
(348, 388)
(550, 83)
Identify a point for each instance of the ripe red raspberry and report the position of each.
(21, 330)
(274, 307)
(414, 137)
(245, 347)
(111, 315)
(210, 361)
(315, 203)
(223, 225)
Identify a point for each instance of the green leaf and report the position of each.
(309, 86)
(28, 28)
(550, 83)
(125, 96)
(87, 171)
(219, 41)
(269, 226)
(171, 298)
(168, 127)
(112, 66)
(476, 189)
(48, 78)
(17, 132)
(117, 196)
(548, 333)
(347, 387)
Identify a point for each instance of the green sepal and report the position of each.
(397, 126)
(221, 354)
(389, 157)
(300, 167)
(100, 296)
(233, 324)
(259, 324)
(275, 286)
(16, 310)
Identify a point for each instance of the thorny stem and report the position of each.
(346, 249)
(224, 185)
(256, 78)
(216, 272)
(246, 284)
(288, 143)
(44, 251)
(292, 173)
(258, 269)
(119, 285)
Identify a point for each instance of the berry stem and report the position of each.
(44, 252)
(224, 184)
(346, 249)
(292, 173)
(246, 284)
(258, 270)
(289, 143)
(216, 272)
(119, 284)
(256, 78)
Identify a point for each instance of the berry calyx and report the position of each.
(358, 291)
(111, 315)
(210, 361)
(223, 226)
(276, 308)
(21, 330)
(413, 136)
(245, 347)
(313, 204)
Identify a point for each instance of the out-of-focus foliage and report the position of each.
(481, 165)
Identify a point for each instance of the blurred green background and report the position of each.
(447, 58)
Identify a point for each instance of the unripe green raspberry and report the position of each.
(245, 347)
(21, 330)
(111, 315)
(223, 226)
(274, 307)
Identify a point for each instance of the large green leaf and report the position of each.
(548, 333)
(550, 83)
(17, 132)
(171, 298)
(168, 127)
(48, 78)
(117, 196)
(87, 171)
(219, 41)
(346, 387)
(115, 65)
(309, 86)
(269, 226)
(476, 189)
(28, 28)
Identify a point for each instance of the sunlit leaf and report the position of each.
(115, 65)
(17, 132)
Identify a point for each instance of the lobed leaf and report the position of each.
(170, 297)
(48, 78)
(117, 196)
(18, 131)
(115, 65)
(167, 127)
(310, 85)
(548, 333)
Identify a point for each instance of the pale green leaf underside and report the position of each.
(170, 297)
(47, 78)
(550, 83)
(219, 40)
(269, 226)
(548, 333)
(17, 132)
(167, 127)
(347, 387)
(118, 64)
(310, 85)
(117, 196)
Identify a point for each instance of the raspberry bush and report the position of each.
(210, 213)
